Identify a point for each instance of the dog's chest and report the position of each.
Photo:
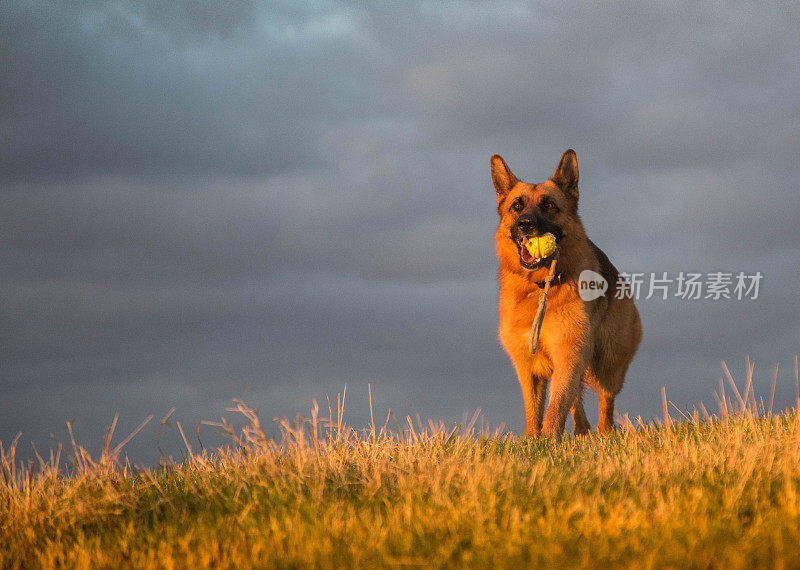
(516, 319)
(515, 335)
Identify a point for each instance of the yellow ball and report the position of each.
(542, 246)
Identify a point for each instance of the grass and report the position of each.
(717, 491)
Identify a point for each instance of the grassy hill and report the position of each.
(719, 492)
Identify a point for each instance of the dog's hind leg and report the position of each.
(582, 425)
(605, 422)
(539, 397)
(608, 386)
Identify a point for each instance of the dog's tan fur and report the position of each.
(580, 342)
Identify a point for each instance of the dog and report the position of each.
(581, 342)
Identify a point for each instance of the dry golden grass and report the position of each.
(718, 491)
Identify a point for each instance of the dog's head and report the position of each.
(528, 210)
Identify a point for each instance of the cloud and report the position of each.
(209, 200)
(147, 89)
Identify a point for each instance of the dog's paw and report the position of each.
(551, 431)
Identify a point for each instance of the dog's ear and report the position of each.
(502, 177)
(566, 175)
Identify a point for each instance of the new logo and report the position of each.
(591, 285)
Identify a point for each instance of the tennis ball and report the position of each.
(542, 246)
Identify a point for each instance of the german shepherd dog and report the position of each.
(581, 342)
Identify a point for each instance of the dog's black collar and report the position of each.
(557, 280)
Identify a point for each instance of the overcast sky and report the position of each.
(204, 201)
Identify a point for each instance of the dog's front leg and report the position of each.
(534, 393)
(565, 387)
(569, 362)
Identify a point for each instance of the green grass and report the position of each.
(721, 493)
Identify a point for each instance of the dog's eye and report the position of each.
(548, 206)
(517, 205)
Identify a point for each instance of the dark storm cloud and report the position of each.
(648, 87)
(203, 201)
(159, 88)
